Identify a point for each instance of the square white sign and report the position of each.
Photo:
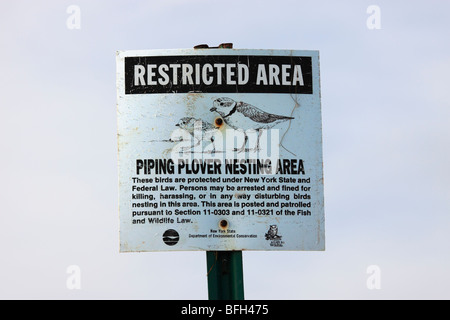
(220, 149)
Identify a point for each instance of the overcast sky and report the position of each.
(386, 137)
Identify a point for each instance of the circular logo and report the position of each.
(171, 237)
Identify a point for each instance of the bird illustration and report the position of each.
(190, 124)
(244, 116)
(272, 234)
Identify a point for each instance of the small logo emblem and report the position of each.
(171, 237)
(274, 237)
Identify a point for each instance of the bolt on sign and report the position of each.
(220, 149)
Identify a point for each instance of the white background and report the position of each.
(385, 107)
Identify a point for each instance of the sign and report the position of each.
(220, 149)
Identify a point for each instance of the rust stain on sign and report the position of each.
(223, 224)
(218, 122)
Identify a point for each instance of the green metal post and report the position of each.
(225, 275)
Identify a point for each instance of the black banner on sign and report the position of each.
(218, 74)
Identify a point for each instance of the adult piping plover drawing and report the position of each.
(244, 116)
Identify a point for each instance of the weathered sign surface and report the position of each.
(220, 149)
